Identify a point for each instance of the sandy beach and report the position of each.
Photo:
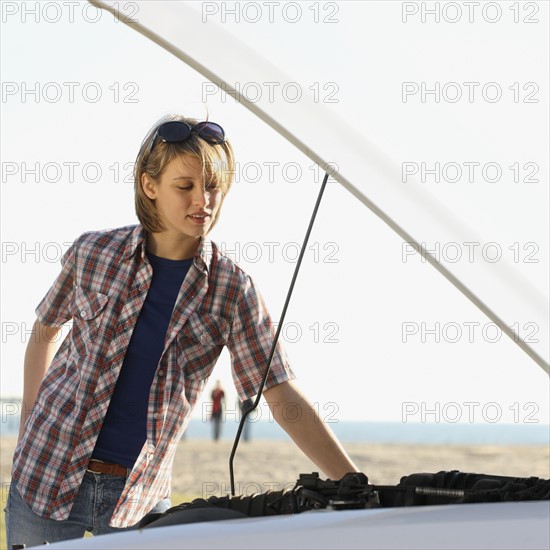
(201, 466)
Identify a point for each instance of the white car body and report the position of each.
(462, 526)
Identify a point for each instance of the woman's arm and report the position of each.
(40, 351)
(308, 431)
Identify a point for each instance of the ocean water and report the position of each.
(398, 432)
(443, 433)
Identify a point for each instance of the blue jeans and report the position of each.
(92, 510)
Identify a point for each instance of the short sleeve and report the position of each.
(250, 342)
(54, 310)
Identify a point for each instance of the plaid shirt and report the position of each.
(102, 286)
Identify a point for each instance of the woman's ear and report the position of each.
(149, 186)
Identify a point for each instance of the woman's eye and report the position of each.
(209, 188)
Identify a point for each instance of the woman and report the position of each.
(152, 307)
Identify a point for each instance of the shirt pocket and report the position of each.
(88, 309)
(200, 343)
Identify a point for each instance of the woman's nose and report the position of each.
(201, 197)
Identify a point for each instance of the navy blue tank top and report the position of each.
(124, 429)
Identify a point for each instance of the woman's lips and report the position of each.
(199, 219)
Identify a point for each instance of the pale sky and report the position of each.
(373, 332)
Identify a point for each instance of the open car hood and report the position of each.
(499, 289)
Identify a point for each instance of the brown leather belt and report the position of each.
(100, 467)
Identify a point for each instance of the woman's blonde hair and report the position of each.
(217, 161)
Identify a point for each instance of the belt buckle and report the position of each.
(93, 471)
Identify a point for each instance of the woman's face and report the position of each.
(185, 206)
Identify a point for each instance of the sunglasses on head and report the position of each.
(176, 131)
